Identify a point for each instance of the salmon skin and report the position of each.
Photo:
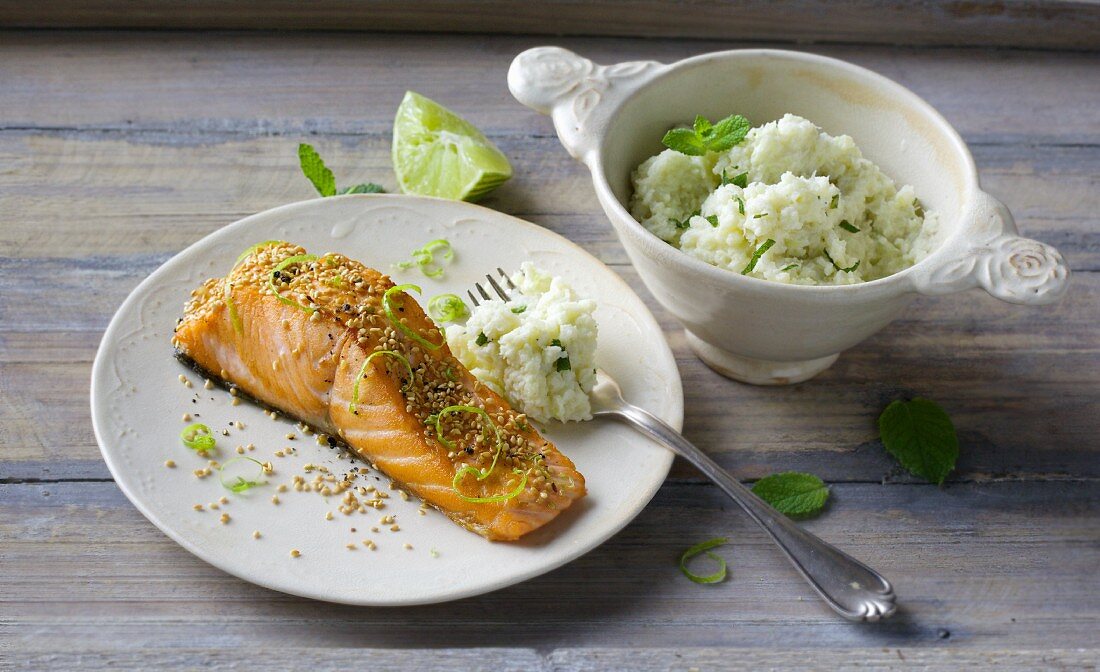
(334, 344)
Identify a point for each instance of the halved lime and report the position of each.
(438, 153)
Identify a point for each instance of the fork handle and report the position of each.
(850, 587)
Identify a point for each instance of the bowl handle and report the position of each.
(578, 94)
(989, 254)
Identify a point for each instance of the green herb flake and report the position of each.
(686, 223)
(760, 215)
(848, 226)
(713, 219)
(835, 202)
(837, 266)
(705, 137)
(563, 363)
(741, 180)
(482, 339)
(789, 267)
(792, 493)
(516, 310)
(704, 547)
(921, 436)
(918, 209)
(764, 247)
(315, 170)
(367, 188)
(740, 206)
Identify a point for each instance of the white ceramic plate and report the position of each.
(137, 404)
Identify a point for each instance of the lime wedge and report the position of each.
(438, 153)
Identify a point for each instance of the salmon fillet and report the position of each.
(297, 333)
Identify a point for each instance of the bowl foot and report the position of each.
(757, 371)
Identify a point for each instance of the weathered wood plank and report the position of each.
(1054, 24)
(333, 659)
(291, 83)
(1020, 383)
(991, 566)
(135, 192)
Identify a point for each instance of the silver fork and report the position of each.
(851, 588)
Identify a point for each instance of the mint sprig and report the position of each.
(705, 137)
(315, 170)
(793, 493)
(921, 436)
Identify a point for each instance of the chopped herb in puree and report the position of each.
(537, 350)
(788, 203)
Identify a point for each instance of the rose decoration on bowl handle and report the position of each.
(579, 95)
(996, 258)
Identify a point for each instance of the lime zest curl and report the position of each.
(424, 258)
(197, 437)
(285, 263)
(387, 307)
(704, 547)
(479, 474)
(241, 484)
(227, 290)
(447, 308)
(363, 371)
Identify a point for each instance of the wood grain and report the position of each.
(1054, 24)
(982, 563)
(119, 149)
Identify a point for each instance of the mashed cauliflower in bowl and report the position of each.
(790, 203)
(538, 350)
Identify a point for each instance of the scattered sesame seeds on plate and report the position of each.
(414, 555)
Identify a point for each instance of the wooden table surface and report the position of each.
(119, 149)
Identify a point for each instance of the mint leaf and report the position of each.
(705, 137)
(713, 219)
(686, 223)
(482, 339)
(837, 266)
(313, 167)
(920, 435)
(685, 141)
(741, 180)
(792, 493)
(702, 125)
(764, 247)
(368, 188)
(728, 132)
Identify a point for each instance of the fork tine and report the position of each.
(481, 290)
(497, 288)
(508, 280)
(473, 298)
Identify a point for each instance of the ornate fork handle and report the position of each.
(851, 588)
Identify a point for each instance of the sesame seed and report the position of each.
(275, 499)
(171, 464)
(208, 385)
(183, 378)
(240, 450)
(328, 515)
(224, 500)
(295, 553)
(235, 402)
(282, 487)
(224, 518)
(187, 417)
(197, 507)
(256, 534)
(213, 505)
(408, 547)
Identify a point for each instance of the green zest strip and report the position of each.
(764, 247)
(363, 371)
(447, 308)
(848, 226)
(241, 484)
(285, 263)
(479, 474)
(837, 266)
(387, 307)
(425, 257)
(235, 318)
(704, 547)
(197, 437)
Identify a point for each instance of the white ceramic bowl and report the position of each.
(612, 118)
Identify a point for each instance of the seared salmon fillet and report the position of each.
(335, 344)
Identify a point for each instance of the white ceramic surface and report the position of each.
(138, 401)
(612, 117)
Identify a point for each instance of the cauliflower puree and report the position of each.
(537, 350)
(834, 217)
